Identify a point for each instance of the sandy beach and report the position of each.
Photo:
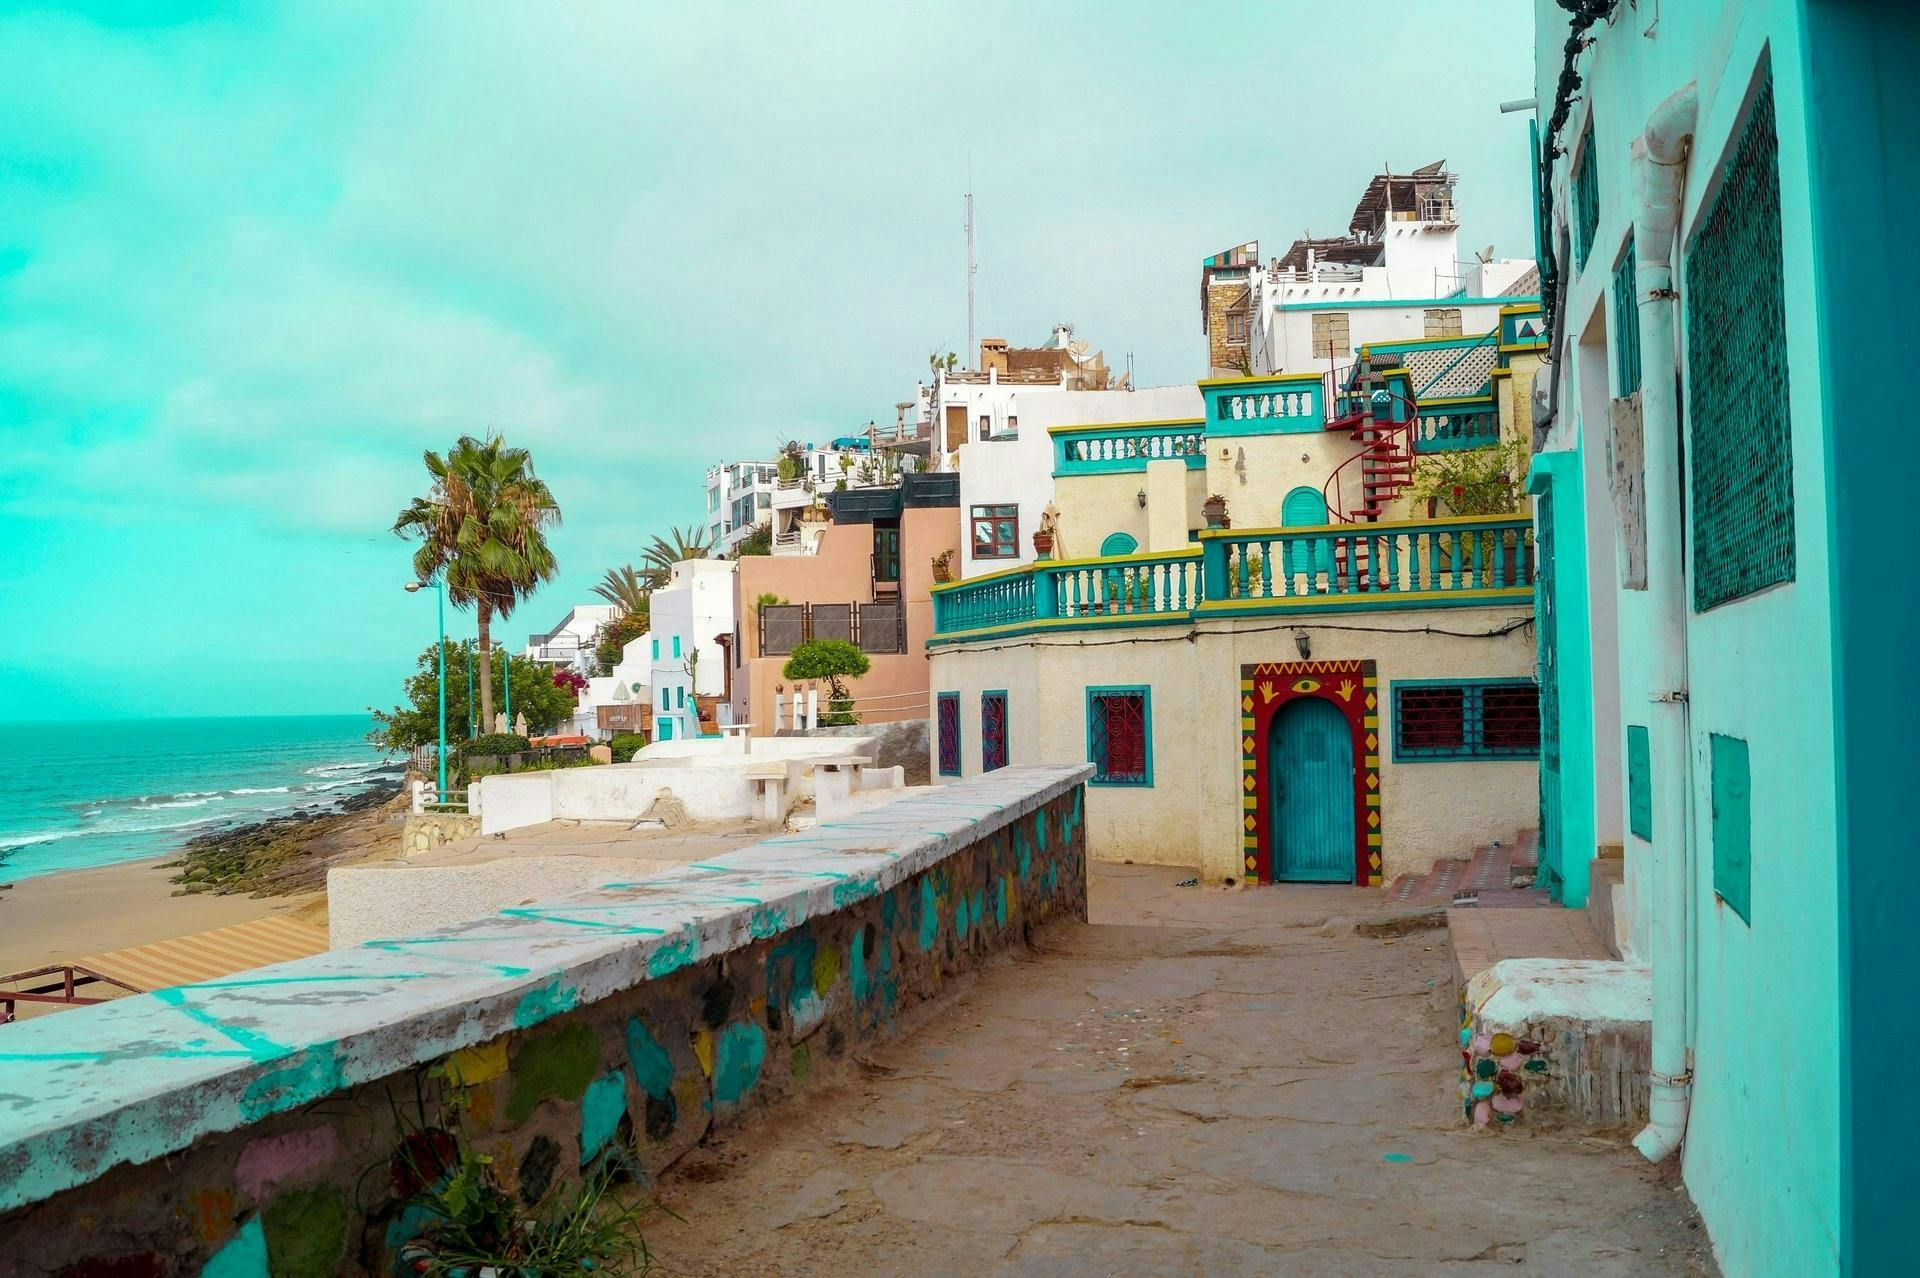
(55, 918)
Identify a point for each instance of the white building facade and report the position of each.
(686, 656)
(569, 644)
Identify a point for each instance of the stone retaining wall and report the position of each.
(425, 831)
(255, 1125)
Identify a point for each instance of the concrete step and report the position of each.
(1606, 885)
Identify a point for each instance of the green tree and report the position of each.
(834, 660)
(482, 526)
(626, 589)
(611, 640)
(757, 542)
(688, 543)
(417, 723)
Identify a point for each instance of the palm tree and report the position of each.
(662, 555)
(626, 589)
(483, 527)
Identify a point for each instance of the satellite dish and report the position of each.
(1485, 255)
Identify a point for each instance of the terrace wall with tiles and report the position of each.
(255, 1125)
(1192, 812)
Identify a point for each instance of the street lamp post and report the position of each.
(473, 713)
(440, 655)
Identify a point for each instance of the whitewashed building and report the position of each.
(693, 620)
(569, 644)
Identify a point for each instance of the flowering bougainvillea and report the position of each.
(572, 680)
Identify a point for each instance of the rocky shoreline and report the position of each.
(290, 854)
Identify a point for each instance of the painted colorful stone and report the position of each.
(1483, 1090)
(1512, 1060)
(1485, 1068)
(1526, 1047)
(1538, 1065)
(1466, 1037)
(1482, 1114)
(1480, 1043)
(1509, 1083)
(1506, 1104)
(1500, 1044)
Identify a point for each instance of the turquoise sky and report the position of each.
(255, 258)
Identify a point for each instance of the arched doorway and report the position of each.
(1311, 782)
(1306, 507)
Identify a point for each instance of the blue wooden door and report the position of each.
(1310, 772)
(1305, 508)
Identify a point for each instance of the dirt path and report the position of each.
(1198, 1082)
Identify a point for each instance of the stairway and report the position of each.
(1384, 467)
(1485, 879)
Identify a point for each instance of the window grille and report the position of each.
(993, 731)
(1626, 326)
(947, 727)
(1740, 442)
(1120, 736)
(1586, 200)
(1496, 719)
(830, 621)
(880, 626)
(782, 628)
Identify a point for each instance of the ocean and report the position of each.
(81, 794)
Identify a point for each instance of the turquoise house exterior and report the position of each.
(1730, 619)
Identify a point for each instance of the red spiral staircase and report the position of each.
(1380, 471)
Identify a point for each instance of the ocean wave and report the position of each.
(8, 842)
(271, 789)
(329, 769)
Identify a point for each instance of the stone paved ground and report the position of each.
(1200, 1081)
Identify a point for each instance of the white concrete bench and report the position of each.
(772, 785)
(833, 782)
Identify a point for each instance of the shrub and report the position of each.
(492, 743)
(626, 744)
(834, 660)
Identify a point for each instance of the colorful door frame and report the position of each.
(1353, 688)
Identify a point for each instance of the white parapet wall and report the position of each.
(631, 1018)
(712, 781)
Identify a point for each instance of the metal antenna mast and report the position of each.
(970, 266)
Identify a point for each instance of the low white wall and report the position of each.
(508, 801)
(712, 786)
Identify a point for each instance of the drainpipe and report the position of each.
(1660, 168)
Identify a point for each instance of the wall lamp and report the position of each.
(1304, 642)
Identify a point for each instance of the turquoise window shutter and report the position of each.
(1732, 825)
(1639, 783)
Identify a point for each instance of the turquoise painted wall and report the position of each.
(1762, 1155)
(1863, 101)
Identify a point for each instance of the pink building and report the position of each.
(867, 579)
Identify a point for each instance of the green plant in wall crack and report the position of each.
(1475, 481)
(834, 660)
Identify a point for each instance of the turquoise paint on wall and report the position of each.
(601, 1110)
(1864, 97)
(244, 1256)
(738, 1054)
(1763, 1141)
(652, 1067)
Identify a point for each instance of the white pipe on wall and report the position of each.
(1660, 168)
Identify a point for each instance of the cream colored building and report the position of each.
(1338, 687)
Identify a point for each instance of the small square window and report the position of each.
(1484, 719)
(995, 531)
(1120, 736)
(1237, 328)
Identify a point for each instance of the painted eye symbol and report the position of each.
(1304, 686)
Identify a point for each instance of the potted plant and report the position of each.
(814, 514)
(1215, 511)
(943, 566)
(1043, 542)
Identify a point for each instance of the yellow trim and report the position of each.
(1517, 347)
(1382, 597)
(1465, 339)
(1521, 308)
(1272, 377)
(1093, 561)
(1456, 399)
(1170, 421)
(1437, 525)
(1500, 372)
(1396, 372)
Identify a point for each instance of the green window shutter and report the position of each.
(1739, 440)
(1626, 325)
(1732, 825)
(1586, 200)
(1639, 783)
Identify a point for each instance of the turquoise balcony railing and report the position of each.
(1283, 404)
(1099, 450)
(1434, 433)
(1411, 564)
